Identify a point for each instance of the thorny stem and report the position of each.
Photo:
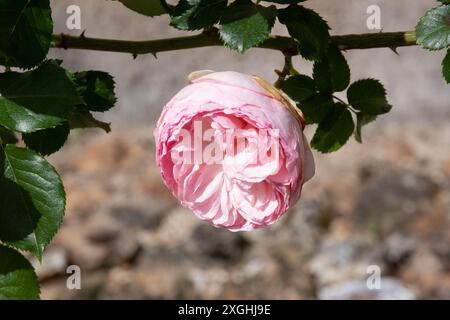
(211, 38)
(288, 70)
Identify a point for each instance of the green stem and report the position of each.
(211, 38)
(345, 103)
(288, 70)
(289, 66)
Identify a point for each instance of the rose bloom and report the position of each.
(231, 148)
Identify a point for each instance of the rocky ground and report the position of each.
(384, 203)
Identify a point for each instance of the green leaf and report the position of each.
(197, 14)
(299, 87)
(308, 28)
(334, 130)
(47, 141)
(32, 199)
(38, 99)
(332, 73)
(302, 89)
(149, 8)
(82, 119)
(245, 25)
(180, 15)
(369, 97)
(433, 29)
(25, 32)
(97, 90)
(18, 281)
(7, 136)
(446, 67)
(317, 107)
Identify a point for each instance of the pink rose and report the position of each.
(231, 148)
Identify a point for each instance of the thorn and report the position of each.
(135, 55)
(155, 55)
(394, 49)
(83, 34)
(278, 72)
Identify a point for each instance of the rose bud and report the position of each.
(231, 148)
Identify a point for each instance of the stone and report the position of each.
(341, 260)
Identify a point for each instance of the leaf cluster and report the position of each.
(40, 103)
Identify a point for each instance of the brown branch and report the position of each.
(211, 38)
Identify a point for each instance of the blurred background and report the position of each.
(385, 203)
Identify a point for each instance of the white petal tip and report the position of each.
(198, 74)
